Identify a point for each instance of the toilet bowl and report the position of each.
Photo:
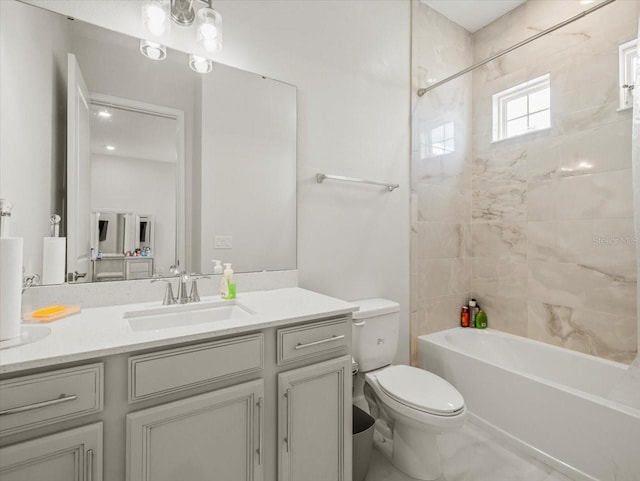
(411, 406)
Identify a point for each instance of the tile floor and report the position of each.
(472, 454)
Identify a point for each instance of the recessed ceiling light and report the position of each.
(110, 147)
(200, 64)
(586, 2)
(104, 114)
(153, 50)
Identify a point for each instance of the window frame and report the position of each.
(501, 99)
(627, 53)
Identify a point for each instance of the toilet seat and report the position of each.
(421, 390)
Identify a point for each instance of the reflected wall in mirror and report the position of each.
(197, 166)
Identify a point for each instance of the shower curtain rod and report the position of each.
(423, 91)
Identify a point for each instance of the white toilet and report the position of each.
(411, 406)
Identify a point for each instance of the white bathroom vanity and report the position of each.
(260, 396)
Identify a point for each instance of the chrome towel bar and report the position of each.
(320, 178)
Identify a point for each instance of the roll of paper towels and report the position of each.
(10, 286)
(53, 260)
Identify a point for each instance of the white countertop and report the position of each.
(103, 331)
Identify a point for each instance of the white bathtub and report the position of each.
(578, 413)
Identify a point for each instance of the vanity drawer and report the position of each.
(314, 339)
(32, 401)
(159, 373)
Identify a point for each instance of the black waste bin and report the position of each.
(363, 425)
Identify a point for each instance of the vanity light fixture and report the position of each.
(200, 64)
(104, 114)
(155, 16)
(153, 50)
(110, 147)
(209, 29)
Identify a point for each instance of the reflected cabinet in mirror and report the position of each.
(149, 163)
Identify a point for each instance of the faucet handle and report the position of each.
(169, 298)
(193, 295)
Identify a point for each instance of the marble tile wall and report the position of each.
(553, 254)
(539, 228)
(440, 184)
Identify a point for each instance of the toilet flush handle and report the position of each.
(359, 324)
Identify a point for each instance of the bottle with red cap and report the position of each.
(464, 317)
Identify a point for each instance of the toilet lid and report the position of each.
(420, 390)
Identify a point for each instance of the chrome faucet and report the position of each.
(183, 279)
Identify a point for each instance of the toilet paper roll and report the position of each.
(10, 287)
(54, 251)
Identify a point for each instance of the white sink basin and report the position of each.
(167, 317)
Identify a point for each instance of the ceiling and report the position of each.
(473, 14)
(132, 134)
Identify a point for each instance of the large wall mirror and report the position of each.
(148, 162)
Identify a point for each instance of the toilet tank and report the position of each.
(375, 328)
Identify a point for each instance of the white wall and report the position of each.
(350, 62)
(32, 99)
(144, 187)
(250, 135)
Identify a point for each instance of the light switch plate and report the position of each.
(223, 242)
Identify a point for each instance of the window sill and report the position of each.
(521, 136)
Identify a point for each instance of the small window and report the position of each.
(628, 58)
(442, 140)
(436, 141)
(522, 109)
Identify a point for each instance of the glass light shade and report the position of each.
(200, 64)
(152, 50)
(156, 16)
(209, 29)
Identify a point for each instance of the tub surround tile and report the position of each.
(495, 200)
(542, 200)
(442, 313)
(603, 148)
(499, 240)
(504, 313)
(437, 203)
(501, 277)
(556, 206)
(595, 196)
(591, 332)
(602, 242)
(542, 241)
(583, 286)
(440, 240)
(545, 217)
(501, 164)
(442, 277)
(441, 184)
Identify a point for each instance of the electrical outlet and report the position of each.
(223, 242)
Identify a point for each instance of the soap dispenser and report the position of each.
(217, 267)
(227, 279)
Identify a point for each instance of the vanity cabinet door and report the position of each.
(74, 455)
(212, 436)
(314, 422)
